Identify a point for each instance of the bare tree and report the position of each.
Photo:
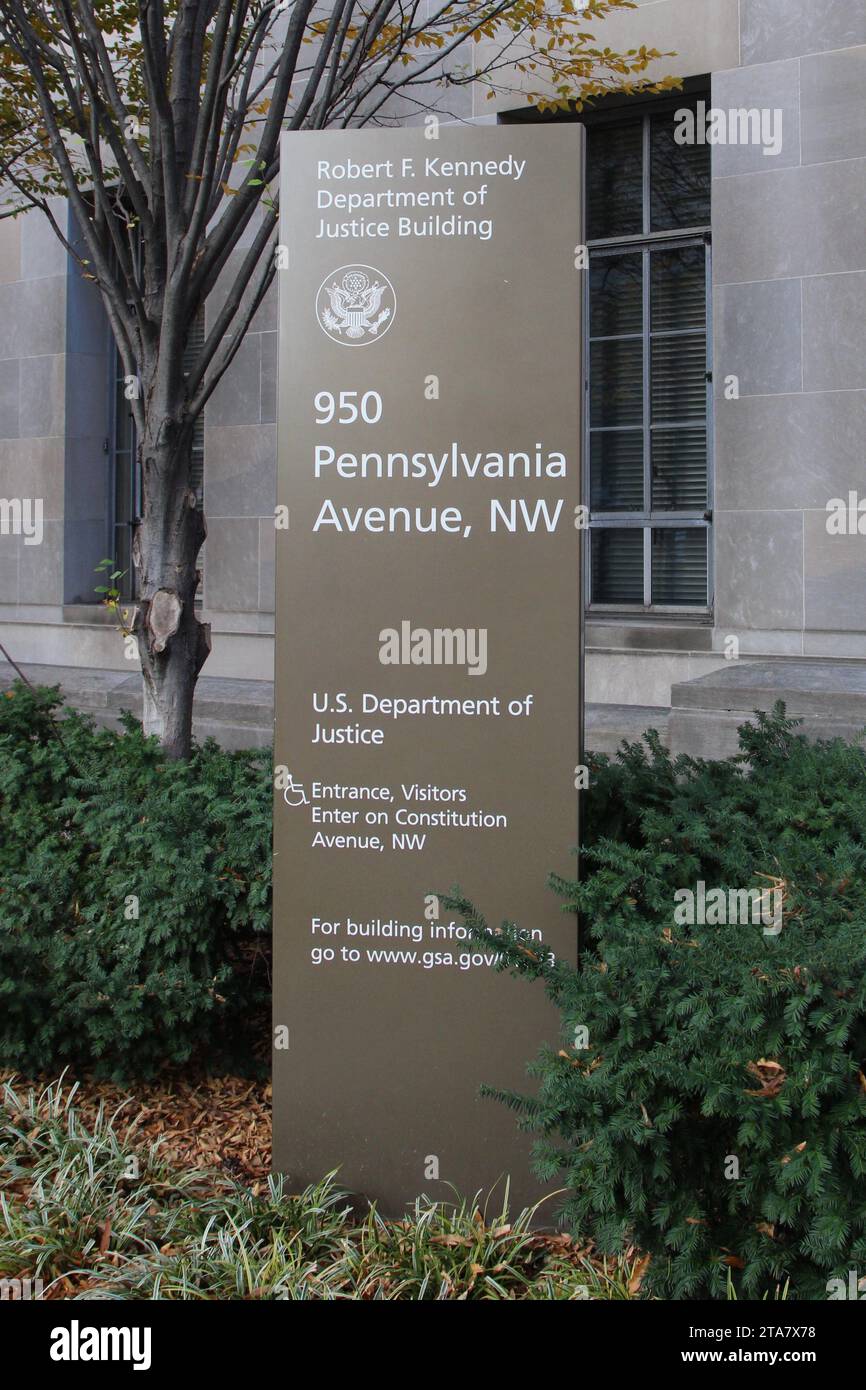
(159, 121)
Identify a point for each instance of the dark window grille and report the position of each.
(649, 393)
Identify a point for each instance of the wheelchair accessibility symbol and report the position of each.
(295, 795)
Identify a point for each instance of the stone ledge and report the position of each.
(618, 634)
(829, 697)
(833, 688)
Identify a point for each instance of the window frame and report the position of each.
(647, 519)
(129, 583)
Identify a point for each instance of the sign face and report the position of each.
(428, 641)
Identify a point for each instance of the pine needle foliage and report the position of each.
(708, 1100)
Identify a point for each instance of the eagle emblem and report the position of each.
(358, 307)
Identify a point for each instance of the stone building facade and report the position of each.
(784, 233)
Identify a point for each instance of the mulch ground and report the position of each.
(221, 1122)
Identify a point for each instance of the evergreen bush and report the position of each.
(708, 1099)
(134, 896)
(707, 1102)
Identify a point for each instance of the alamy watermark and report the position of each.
(20, 1290)
(730, 907)
(846, 516)
(737, 126)
(436, 646)
(854, 1288)
(22, 516)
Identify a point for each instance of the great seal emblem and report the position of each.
(356, 305)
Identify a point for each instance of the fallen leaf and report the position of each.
(637, 1277)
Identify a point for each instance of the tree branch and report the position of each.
(233, 299)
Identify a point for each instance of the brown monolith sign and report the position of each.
(427, 640)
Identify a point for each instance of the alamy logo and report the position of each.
(77, 1343)
(846, 517)
(22, 516)
(730, 907)
(434, 646)
(356, 305)
(738, 126)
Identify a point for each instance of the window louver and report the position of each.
(194, 344)
(648, 387)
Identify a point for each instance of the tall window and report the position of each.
(649, 391)
(127, 481)
(127, 475)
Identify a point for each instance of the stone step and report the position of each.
(607, 725)
(828, 696)
(219, 702)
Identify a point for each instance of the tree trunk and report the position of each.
(173, 645)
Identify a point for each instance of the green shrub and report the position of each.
(134, 896)
(713, 1049)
